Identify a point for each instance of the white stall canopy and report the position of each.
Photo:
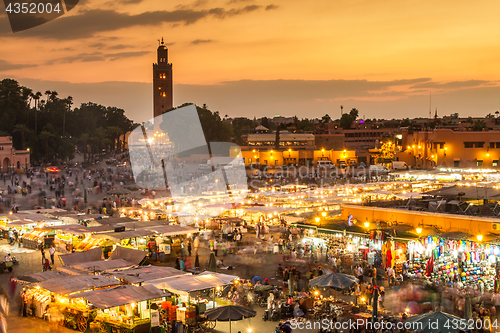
(122, 295)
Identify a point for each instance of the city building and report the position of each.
(450, 148)
(362, 135)
(330, 141)
(302, 141)
(12, 159)
(291, 156)
(280, 120)
(163, 98)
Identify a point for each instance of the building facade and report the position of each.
(451, 149)
(291, 156)
(287, 140)
(163, 98)
(330, 141)
(12, 159)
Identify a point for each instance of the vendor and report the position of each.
(151, 245)
(8, 258)
(255, 279)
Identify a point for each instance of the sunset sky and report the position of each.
(268, 57)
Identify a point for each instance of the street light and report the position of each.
(419, 230)
(367, 224)
(479, 238)
(323, 214)
(316, 219)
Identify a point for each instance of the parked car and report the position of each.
(378, 168)
(326, 164)
(399, 165)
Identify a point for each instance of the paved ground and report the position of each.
(245, 265)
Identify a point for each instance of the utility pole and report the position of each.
(430, 103)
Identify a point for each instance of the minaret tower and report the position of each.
(163, 99)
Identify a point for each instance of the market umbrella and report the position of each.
(230, 313)
(334, 280)
(437, 322)
(118, 192)
(133, 187)
(197, 261)
(212, 263)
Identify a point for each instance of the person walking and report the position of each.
(196, 244)
(46, 265)
(24, 300)
(182, 265)
(216, 247)
(189, 247)
(52, 250)
(42, 250)
(374, 275)
(177, 263)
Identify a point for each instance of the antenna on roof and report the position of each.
(430, 99)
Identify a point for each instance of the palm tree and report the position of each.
(479, 125)
(114, 133)
(32, 97)
(69, 102)
(354, 113)
(21, 128)
(27, 93)
(47, 92)
(44, 136)
(36, 97)
(53, 95)
(84, 138)
(99, 138)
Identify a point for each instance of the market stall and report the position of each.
(142, 275)
(136, 239)
(71, 259)
(125, 308)
(168, 240)
(35, 238)
(28, 227)
(101, 266)
(39, 277)
(70, 238)
(54, 293)
(188, 304)
(460, 262)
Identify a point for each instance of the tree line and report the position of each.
(48, 125)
